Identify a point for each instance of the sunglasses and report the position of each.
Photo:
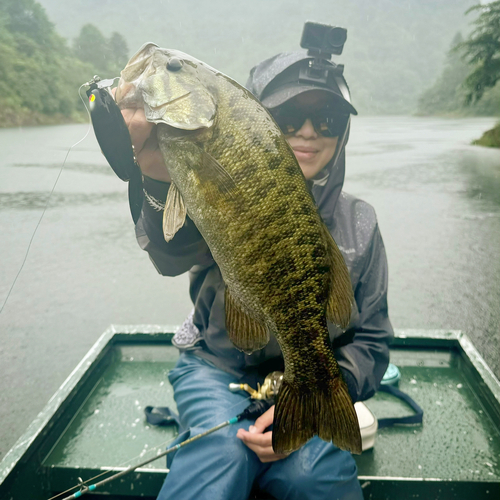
(326, 121)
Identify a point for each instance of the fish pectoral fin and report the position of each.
(174, 214)
(212, 172)
(302, 413)
(245, 332)
(340, 298)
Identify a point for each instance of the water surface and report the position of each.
(438, 204)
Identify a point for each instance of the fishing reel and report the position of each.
(268, 390)
(114, 139)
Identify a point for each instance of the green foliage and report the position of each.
(39, 74)
(482, 51)
(448, 95)
(118, 49)
(107, 56)
(491, 138)
(91, 46)
(394, 50)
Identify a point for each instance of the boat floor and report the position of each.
(456, 450)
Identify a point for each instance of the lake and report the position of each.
(438, 204)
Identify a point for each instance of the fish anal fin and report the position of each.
(174, 214)
(327, 412)
(340, 298)
(245, 332)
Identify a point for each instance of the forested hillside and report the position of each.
(448, 95)
(395, 48)
(39, 73)
(395, 51)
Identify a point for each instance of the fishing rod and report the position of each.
(252, 412)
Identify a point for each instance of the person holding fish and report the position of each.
(232, 195)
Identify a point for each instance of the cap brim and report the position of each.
(282, 95)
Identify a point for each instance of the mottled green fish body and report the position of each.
(235, 175)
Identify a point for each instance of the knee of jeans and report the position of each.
(233, 452)
(312, 473)
(223, 450)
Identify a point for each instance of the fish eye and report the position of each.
(174, 64)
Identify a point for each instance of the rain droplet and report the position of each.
(459, 386)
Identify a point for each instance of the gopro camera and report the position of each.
(322, 39)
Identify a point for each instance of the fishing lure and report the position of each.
(114, 139)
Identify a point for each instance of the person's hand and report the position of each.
(259, 441)
(145, 142)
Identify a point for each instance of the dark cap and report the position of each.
(276, 80)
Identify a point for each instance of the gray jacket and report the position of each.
(353, 224)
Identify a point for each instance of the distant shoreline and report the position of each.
(10, 118)
(490, 139)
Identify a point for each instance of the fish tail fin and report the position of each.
(326, 411)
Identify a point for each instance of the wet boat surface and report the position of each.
(95, 422)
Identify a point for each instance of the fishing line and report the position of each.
(165, 443)
(48, 201)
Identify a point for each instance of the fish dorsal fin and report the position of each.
(174, 214)
(340, 299)
(245, 332)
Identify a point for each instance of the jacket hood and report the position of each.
(326, 188)
(327, 185)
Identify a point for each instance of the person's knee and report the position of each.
(317, 471)
(217, 463)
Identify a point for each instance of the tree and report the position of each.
(446, 95)
(91, 46)
(106, 56)
(482, 51)
(119, 50)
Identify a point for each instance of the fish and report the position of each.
(234, 174)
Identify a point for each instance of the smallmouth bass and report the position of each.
(237, 178)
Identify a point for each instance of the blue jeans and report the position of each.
(220, 466)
